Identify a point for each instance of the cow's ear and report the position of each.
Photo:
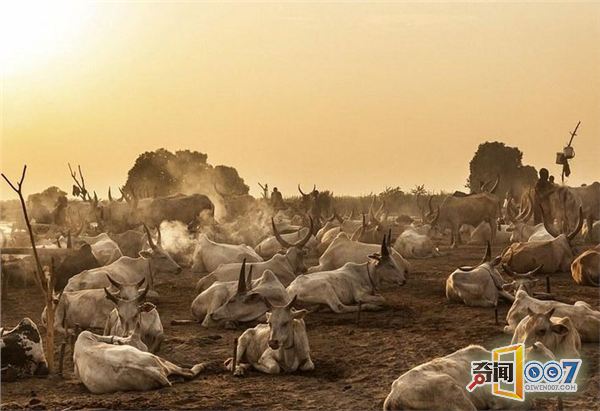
(86, 247)
(146, 307)
(550, 312)
(298, 314)
(145, 254)
(268, 315)
(560, 329)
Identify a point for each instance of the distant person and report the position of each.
(277, 199)
(542, 187)
(551, 180)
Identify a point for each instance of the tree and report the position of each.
(161, 173)
(494, 159)
(48, 197)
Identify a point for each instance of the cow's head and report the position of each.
(281, 324)
(386, 269)
(246, 304)
(489, 264)
(23, 350)
(539, 327)
(299, 245)
(539, 352)
(557, 234)
(518, 220)
(130, 303)
(295, 257)
(520, 281)
(160, 260)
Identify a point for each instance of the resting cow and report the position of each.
(584, 318)
(555, 255)
(303, 238)
(106, 364)
(22, 351)
(209, 255)
(342, 290)
(559, 335)
(133, 316)
(411, 244)
(279, 346)
(440, 384)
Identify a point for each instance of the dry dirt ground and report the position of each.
(355, 365)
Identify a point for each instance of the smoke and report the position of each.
(177, 241)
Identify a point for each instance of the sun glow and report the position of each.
(32, 32)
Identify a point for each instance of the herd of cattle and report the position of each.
(108, 305)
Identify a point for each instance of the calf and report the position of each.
(584, 318)
(105, 365)
(22, 351)
(342, 290)
(411, 244)
(279, 346)
(559, 335)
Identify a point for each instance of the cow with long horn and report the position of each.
(471, 209)
(555, 255)
(133, 316)
(303, 240)
(350, 286)
(480, 285)
(279, 346)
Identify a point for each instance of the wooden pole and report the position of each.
(548, 284)
(234, 361)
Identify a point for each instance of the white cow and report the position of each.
(559, 335)
(411, 244)
(584, 318)
(441, 384)
(279, 346)
(343, 250)
(342, 290)
(209, 254)
(273, 244)
(105, 364)
(105, 249)
(285, 266)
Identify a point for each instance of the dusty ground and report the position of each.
(355, 365)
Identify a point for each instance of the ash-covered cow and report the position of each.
(209, 255)
(585, 319)
(348, 287)
(22, 351)
(558, 334)
(555, 255)
(279, 346)
(303, 238)
(440, 384)
(107, 364)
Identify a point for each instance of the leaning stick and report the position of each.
(548, 284)
(234, 361)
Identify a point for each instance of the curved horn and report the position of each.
(303, 242)
(141, 282)
(385, 251)
(111, 296)
(150, 241)
(301, 192)
(373, 286)
(528, 274)
(291, 303)
(573, 233)
(495, 186)
(242, 278)
(109, 195)
(142, 296)
(430, 212)
(278, 236)
(547, 225)
(114, 282)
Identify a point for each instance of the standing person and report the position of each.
(277, 199)
(542, 187)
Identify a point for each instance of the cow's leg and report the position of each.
(493, 229)
(507, 296)
(306, 365)
(267, 364)
(334, 303)
(156, 343)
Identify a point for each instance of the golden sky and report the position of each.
(351, 96)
